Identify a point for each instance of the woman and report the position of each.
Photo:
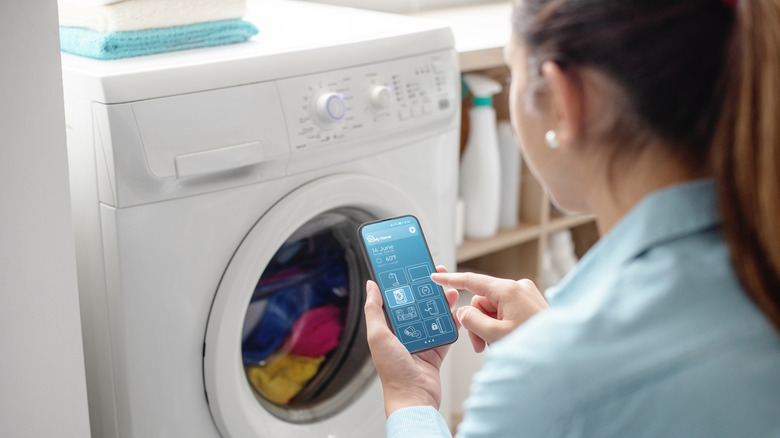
(662, 118)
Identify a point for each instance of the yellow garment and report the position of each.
(283, 379)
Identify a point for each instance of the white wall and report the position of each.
(42, 383)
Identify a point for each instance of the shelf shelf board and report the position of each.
(561, 222)
(471, 249)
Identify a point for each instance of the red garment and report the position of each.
(316, 332)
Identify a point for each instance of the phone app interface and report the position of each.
(403, 267)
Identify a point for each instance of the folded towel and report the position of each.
(147, 14)
(114, 45)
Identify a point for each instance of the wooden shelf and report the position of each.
(471, 249)
(562, 222)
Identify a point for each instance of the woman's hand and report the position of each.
(498, 307)
(407, 379)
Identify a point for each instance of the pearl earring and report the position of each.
(551, 139)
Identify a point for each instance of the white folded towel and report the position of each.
(130, 15)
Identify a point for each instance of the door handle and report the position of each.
(219, 160)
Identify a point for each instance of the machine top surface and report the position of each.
(295, 38)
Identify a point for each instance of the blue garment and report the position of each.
(302, 275)
(115, 45)
(307, 289)
(651, 335)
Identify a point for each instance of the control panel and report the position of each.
(349, 104)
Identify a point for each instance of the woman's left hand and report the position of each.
(407, 379)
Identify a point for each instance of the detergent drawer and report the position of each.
(176, 146)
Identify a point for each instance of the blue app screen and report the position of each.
(402, 266)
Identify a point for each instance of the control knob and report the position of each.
(380, 96)
(330, 107)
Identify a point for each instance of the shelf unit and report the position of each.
(519, 252)
(481, 32)
(513, 253)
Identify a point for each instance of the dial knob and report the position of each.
(330, 107)
(380, 96)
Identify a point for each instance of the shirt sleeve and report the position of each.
(417, 422)
(515, 394)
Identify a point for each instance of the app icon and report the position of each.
(411, 332)
(430, 308)
(425, 290)
(437, 326)
(406, 314)
(393, 278)
(419, 272)
(399, 296)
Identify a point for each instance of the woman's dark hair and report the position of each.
(704, 76)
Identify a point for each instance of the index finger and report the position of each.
(478, 284)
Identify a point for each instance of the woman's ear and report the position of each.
(567, 104)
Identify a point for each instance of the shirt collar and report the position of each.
(664, 215)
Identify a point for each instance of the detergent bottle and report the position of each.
(511, 167)
(480, 167)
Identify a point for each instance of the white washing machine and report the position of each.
(216, 195)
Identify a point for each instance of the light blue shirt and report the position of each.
(651, 335)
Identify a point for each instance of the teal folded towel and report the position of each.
(115, 45)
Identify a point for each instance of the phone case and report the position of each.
(415, 308)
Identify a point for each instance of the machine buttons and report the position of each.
(330, 107)
(351, 104)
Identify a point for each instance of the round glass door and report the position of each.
(285, 340)
(303, 346)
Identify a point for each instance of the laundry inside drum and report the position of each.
(303, 342)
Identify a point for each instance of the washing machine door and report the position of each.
(285, 351)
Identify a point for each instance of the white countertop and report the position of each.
(481, 32)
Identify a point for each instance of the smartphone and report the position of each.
(400, 262)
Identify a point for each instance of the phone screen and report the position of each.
(400, 263)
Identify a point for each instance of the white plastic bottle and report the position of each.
(550, 275)
(480, 167)
(509, 209)
(560, 245)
